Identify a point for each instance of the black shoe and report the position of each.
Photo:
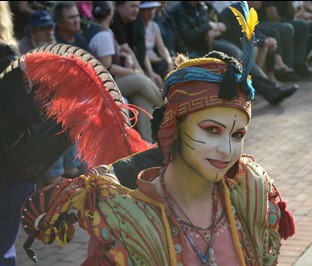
(283, 75)
(302, 70)
(284, 93)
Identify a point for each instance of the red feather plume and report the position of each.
(91, 107)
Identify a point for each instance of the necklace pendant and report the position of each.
(211, 254)
(203, 259)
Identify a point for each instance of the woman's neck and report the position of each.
(186, 183)
(103, 23)
(191, 193)
(145, 22)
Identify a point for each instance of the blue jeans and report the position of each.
(66, 161)
(12, 197)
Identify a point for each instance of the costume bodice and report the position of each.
(142, 231)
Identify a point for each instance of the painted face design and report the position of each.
(212, 140)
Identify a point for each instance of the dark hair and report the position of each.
(119, 3)
(158, 114)
(57, 11)
(101, 9)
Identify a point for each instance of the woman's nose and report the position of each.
(225, 146)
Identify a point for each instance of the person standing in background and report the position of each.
(16, 112)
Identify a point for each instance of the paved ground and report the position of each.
(280, 138)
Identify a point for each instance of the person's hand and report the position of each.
(221, 27)
(271, 43)
(137, 71)
(210, 36)
(129, 62)
(155, 59)
(218, 27)
(156, 79)
(170, 66)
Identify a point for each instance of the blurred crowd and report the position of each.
(137, 41)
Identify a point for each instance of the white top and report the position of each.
(102, 43)
(150, 37)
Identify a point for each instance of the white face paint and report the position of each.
(212, 140)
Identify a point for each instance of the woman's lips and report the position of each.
(218, 164)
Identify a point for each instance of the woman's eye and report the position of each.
(238, 135)
(212, 130)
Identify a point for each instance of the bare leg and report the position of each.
(261, 56)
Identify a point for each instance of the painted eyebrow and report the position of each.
(214, 121)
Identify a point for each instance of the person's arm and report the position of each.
(218, 27)
(150, 72)
(126, 48)
(115, 70)
(272, 14)
(163, 51)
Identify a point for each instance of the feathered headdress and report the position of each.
(248, 21)
(81, 95)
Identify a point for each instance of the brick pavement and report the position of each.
(280, 138)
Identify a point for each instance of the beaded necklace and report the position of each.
(208, 258)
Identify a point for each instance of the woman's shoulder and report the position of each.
(251, 164)
(249, 170)
(111, 189)
(102, 36)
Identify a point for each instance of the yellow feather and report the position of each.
(241, 19)
(247, 28)
(252, 22)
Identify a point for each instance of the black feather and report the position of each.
(228, 84)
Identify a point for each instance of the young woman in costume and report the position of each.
(207, 204)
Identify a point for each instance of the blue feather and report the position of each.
(245, 8)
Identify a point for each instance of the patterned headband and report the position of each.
(196, 84)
